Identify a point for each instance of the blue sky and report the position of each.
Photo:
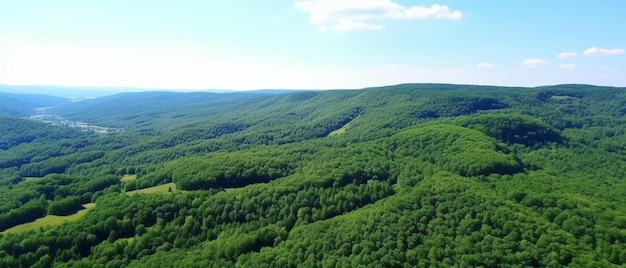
(317, 44)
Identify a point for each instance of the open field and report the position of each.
(562, 98)
(32, 178)
(50, 220)
(159, 189)
(129, 177)
(340, 130)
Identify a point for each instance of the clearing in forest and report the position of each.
(342, 129)
(562, 98)
(50, 221)
(159, 189)
(129, 177)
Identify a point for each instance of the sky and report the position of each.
(310, 44)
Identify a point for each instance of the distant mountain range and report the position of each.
(95, 92)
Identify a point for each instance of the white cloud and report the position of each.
(567, 55)
(567, 66)
(533, 63)
(348, 15)
(602, 51)
(484, 65)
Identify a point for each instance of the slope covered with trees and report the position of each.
(419, 175)
(21, 105)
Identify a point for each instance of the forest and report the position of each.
(410, 175)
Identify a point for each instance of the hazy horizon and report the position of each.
(94, 92)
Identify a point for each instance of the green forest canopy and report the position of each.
(420, 175)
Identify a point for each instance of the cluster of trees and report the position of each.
(229, 170)
(454, 221)
(177, 217)
(53, 194)
(65, 206)
(457, 149)
(58, 164)
(16, 131)
(426, 175)
(514, 129)
(455, 106)
(28, 211)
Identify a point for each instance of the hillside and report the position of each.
(21, 105)
(412, 175)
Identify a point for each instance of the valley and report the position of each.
(43, 114)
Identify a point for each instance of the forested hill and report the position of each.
(21, 105)
(413, 175)
(313, 114)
